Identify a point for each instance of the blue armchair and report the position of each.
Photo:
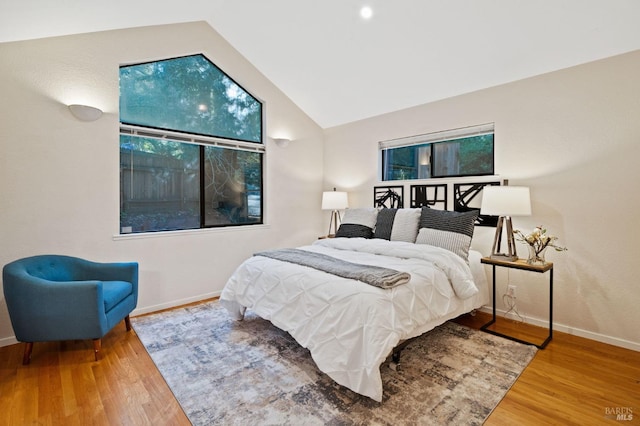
(52, 298)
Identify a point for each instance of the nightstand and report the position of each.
(523, 265)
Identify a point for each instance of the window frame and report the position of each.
(202, 141)
(432, 140)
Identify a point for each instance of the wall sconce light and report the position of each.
(282, 142)
(85, 112)
(505, 201)
(334, 201)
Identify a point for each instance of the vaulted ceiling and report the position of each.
(339, 67)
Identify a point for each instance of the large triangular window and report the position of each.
(191, 151)
(188, 94)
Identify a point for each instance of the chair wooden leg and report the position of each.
(97, 345)
(127, 322)
(26, 357)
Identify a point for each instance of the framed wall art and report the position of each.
(391, 197)
(434, 196)
(468, 196)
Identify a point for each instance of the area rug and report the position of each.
(249, 372)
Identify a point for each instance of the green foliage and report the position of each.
(473, 156)
(161, 186)
(402, 163)
(188, 94)
(476, 155)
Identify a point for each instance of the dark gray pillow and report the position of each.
(384, 223)
(352, 230)
(445, 220)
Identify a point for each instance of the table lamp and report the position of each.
(334, 201)
(505, 201)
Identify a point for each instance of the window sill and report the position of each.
(188, 232)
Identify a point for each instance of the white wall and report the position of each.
(59, 177)
(573, 137)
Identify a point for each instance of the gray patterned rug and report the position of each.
(251, 373)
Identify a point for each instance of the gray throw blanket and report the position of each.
(373, 275)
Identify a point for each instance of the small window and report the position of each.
(453, 153)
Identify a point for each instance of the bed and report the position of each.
(351, 327)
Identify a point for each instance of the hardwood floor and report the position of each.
(64, 385)
(573, 381)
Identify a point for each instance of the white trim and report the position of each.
(186, 232)
(191, 139)
(598, 337)
(7, 341)
(439, 180)
(444, 135)
(175, 303)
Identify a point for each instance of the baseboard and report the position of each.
(174, 303)
(6, 341)
(627, 344)
(11, 340)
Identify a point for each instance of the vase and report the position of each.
(536, 258)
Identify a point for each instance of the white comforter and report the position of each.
(348, 326)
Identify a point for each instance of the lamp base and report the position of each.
(334, 224)
(511, 255)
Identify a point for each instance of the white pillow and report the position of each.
(405, 225)
(363, 216)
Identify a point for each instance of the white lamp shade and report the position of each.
(506, 201)
(334, 200)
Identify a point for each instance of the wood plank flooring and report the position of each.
(573, 381)
(64, 385)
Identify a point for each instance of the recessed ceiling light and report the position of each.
(366, 12)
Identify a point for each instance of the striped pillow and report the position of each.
(446, 229)
(397, 224)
